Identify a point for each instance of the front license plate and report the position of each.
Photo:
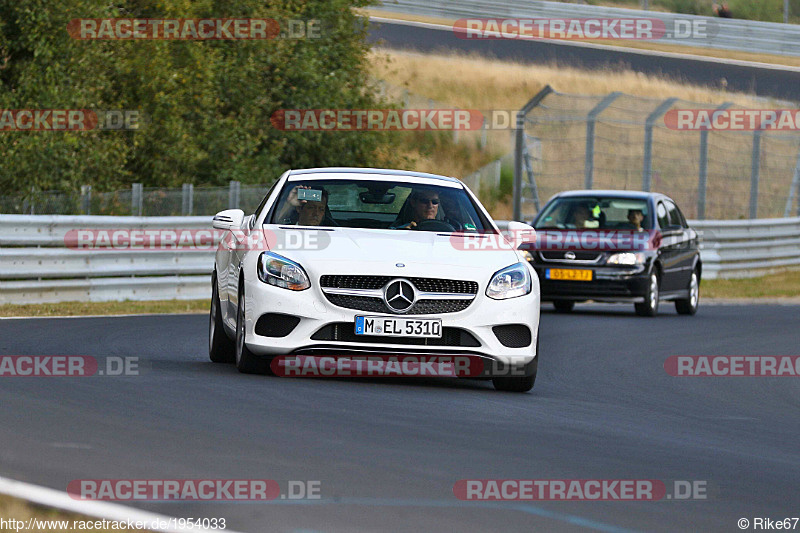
(399, 327)
(568, 274)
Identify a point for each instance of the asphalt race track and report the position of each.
(771, 81)
(388, 453)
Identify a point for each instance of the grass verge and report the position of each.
(16, 509)
(105, 308)
(780, 285)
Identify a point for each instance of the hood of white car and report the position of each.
(392, 252)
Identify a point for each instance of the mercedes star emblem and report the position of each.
(399, 295)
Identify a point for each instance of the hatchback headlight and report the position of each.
(510, 282)
(626, 258)
(276, 270)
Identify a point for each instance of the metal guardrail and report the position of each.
(724, 34)
(37, 267)
(746, 248)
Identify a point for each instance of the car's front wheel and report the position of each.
(521, 383)
(246, 361)
(688, 306)
(650, 305)
(220, 348)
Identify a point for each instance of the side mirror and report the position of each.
(229, 219)
(519, 233)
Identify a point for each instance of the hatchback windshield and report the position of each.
(377, 204)
(596, 213)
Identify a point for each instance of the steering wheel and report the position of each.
(434, 225)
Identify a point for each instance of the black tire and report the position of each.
(246, 361)
(650, 305)
(688, 306)
(564, 306)
(220, 348)
(522, 383)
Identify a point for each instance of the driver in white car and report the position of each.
(424, 204)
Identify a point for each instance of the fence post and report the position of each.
(519, 145)
(755, 171)
(86, 199)
(591, 119)
(136, 199)
(484, 133)
(794, 189)
(647, 172)
(702, 179)
(187, 204)
(234, 195)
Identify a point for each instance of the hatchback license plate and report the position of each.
(569, 274)
(399, 327)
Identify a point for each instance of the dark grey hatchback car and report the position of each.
(616, 246)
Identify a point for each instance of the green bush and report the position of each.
(207, 103)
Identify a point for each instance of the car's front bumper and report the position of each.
(608, 284)
(315, 317)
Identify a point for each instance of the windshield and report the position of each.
(596, 213)
(377, 204)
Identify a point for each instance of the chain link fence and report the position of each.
(138, 201)
(619, 141)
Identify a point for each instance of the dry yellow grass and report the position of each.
(16, 509)
(640, 45)
(470, 81)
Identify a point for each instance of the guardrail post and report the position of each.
(187, 200)
(794, 190)
(702, 180)
(755, 170)
(136, 199)
(234, 195)
(591, 120)
(519, 145)
(647, 172)
(86, 199)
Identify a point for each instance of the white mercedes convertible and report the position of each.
(357, 262)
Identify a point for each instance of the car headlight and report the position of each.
(626, 258)
(510, 282)
(276, 270)
(527, 255)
